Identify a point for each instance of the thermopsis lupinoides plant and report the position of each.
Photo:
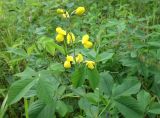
(86, 62)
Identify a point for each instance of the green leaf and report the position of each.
(129, 62)
(154, 44)
(78, 77)
(56, 68)
(129, 107)
(28, 73)
(128, 87)
(106, 83)
(45, 90)
(39, 109)
(93, 97)
(93, 77)
(143, 99)
(90, 110)
(104, 56)
(17, 51)
(50, 48)
(62, 108)
(154, 108)
(19, 89)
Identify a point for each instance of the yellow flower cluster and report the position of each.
(63, 13)
(79, 11)
(69, 59)
(85, 41)
(71, 38)
(61, 35)
(67, 63)
(78, 59)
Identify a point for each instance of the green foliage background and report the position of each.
(125, 83)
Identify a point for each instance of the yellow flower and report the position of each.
(59, 30)
(65, 15)
(59, 37)
(90, 64)
(67, 64)
(69, 58)
(85, 41)
(85, 38)
(70, 38)
(80, 10)
(60, 11)
(88, 44)
(79, 58)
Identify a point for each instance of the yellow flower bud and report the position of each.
(79, 58)
(59, 37)
(65, 15)
(85, 38)
(60, 11)
(70, 38)
(59, 30)
(88, 44)
(67, 64)
(80, 10)
(90, 64)
(69, 58)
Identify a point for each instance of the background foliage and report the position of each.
(125, 83)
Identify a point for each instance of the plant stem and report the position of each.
(26, 108)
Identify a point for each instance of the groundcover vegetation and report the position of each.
(80, 58)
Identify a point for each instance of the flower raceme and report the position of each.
(79, 58)
(70, 38)
(90, 64)
(79, 11)
(85, 41)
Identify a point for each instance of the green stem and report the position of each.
(26, 108)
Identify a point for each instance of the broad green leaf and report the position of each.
(50, 48)
(106, 83)
(92, 97)
(59, 48)
(78, 77)
(129, 107)
(128, 87)
(62, 108)
(93, 77)
(28, 73)
(154, 108)
(90, 110)
(129, 62)
(19, 89)
(143, 99)
(45, 90)
(104, 56)
(39, 109)
(17, 51)
(56, 68)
